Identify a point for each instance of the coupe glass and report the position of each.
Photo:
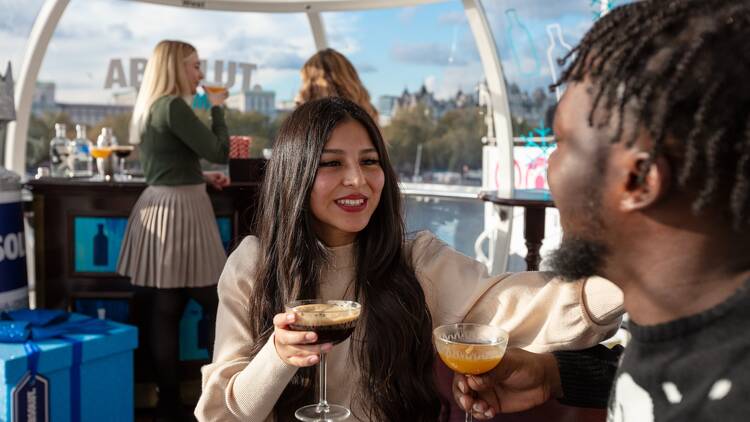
(470, 349)
(122, 152)
(333, 321)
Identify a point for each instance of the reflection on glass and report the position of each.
(557, 49)
(521, 42)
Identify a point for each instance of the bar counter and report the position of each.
(60, 203)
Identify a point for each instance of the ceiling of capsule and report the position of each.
(289, 6)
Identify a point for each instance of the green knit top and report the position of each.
(174, 140)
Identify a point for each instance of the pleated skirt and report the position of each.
(172, 239)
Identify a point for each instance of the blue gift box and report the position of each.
(97, 368)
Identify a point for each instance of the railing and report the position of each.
(452, 212)
(456, 216)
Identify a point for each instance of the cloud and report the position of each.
(435, 54)
(342, 29)
(462, 78)
(18, 16)
(452, 18)
(407, 14)
(365, 68)
(284, 60)
(122, 30)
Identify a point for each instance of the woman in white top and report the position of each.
(330, 226)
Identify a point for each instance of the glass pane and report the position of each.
(456, 221)
(422, 69)
(257, 55)
(530, 35)
(16, 20)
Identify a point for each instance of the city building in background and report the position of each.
(255, 100)
(389, 106)
(88, 114)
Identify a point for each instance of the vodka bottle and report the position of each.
(58, 152)
(81, 151)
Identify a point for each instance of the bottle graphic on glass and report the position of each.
(521, 44)
(101, 251)
(557, 49)
(58, 152)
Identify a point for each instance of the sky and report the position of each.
(393, 49)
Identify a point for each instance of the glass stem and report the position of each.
(469, 417)
(323, 401)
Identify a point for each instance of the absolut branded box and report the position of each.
(78, 378)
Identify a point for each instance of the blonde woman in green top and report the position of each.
(172, 250)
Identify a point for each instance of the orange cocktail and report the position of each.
(469, 359)
(215, 89)
(101, 152)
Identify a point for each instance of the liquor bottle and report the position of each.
(58, 152)
(80, 147)
(101, 252)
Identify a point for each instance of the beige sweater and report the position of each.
(540, 312)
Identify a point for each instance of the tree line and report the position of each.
(450, 143)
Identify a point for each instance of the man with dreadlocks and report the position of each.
(652, 180)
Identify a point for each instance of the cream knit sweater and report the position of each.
(540, 312)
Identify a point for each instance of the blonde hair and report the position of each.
(164, 75)
(329, 74)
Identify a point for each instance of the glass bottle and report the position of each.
(58, 152)
(81, 152)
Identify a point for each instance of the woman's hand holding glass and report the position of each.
(216, 94)
(296, 348)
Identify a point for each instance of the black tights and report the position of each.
(160, 324)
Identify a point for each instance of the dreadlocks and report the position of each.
(683, 68)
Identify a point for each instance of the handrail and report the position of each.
(438, 190)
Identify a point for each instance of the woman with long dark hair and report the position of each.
(330, 227)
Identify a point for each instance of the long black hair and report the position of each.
(392, 344)
(682, 67)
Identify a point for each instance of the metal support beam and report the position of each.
(41, 33)
(318, 30)
(290, 6)
(498, 160)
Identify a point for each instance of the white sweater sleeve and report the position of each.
(541, 312)
(236, 387)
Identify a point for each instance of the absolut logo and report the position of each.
(225, 73)
(12, 247)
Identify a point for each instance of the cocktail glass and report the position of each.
(122, 152)
(470, 349)
(214, 89)
(103, 161)
(333, 321)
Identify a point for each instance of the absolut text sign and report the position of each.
(13, 288)
(225, 73)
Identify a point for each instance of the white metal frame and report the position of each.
(290, 6)
(500, 157)
(497, 160)
(41, 33)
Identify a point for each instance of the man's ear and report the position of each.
(647, 181)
